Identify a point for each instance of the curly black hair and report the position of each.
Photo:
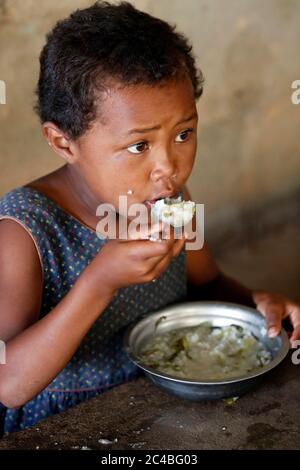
(103, 42)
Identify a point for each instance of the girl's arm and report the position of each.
(207, 282)
(36, 351)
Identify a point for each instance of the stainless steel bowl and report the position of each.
(191, 314)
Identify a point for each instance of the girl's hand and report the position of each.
(122, 263)
(275, 308)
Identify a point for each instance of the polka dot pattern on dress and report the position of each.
(66, 247)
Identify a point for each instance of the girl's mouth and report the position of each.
(150, 202)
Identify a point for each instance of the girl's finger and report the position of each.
(160, 267)
(165, 261)
(167, 245)
(294, 313)
(142, 250)
(295, 335)
(153, 261)
(178, 246)
(144, 232)
(273, 312)
(174, 251)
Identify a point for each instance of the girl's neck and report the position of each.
(65, 188)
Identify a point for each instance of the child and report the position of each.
(116, 99)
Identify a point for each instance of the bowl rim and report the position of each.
(280, 356)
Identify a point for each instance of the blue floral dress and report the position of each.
(65, 247)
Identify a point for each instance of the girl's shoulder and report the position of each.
(46, 221)
(27, 205)
(37, 213)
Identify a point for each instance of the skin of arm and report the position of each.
(207, 282)
(36, 351)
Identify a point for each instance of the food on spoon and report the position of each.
(173, 211)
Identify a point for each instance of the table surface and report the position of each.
(138, 415)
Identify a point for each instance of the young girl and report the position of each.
(116, 99)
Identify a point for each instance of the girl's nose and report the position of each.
(163, 167)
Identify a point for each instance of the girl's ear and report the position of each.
(60, 142)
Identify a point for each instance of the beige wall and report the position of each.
(249, 132)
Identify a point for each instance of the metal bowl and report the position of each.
(190, 314)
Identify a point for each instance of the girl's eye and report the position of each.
(140, 147)
(183, 136)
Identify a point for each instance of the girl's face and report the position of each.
(143, 145)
